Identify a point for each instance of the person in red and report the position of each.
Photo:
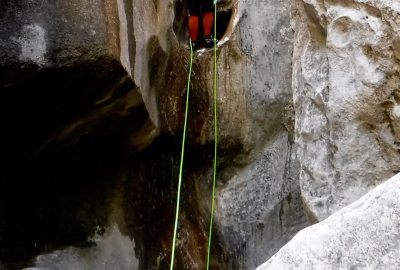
(201, 9)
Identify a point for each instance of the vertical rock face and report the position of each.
(258, 170)
(71, 74)
(345, 83)
(259, 203)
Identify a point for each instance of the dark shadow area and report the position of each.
(223, 18)
(66, 154)
(62, 155)
(153, 197)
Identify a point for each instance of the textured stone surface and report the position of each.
(260, 207)
(258, 171)
(363, 235)
(259, 204)
(110, 251)
(48, 33)
(345, 83)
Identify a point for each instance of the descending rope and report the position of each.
(183, 149)
(182, 158)
(215, 138)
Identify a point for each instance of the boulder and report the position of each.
(363, 235)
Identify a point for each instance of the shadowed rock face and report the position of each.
(70, 115)
(64, 148)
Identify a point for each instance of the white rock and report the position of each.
(345, 83)
(396, 112)
(363, 235)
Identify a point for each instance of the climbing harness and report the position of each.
(183, 149)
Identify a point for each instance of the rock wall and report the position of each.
(47, 33)
(259, 204)
(258, 169)
(345, 89)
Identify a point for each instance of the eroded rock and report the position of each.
(345, 74)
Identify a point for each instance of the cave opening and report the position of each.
(224, 19)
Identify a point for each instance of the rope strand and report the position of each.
(182, 158)
(183, 150)
(215, 139)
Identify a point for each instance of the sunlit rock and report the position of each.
(363, 235)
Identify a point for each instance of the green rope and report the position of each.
(182, 158)
(183, 149)
(215, 139)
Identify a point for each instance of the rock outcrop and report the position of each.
(345, 89)
(259, 202)
(363, 235)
